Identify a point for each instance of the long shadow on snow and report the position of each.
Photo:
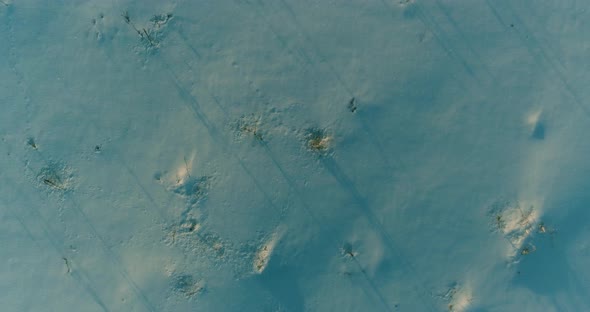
(362, 203)
(281, 281)
(318, 220)
(547, 271)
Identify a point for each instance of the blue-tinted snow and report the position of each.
(257, 155)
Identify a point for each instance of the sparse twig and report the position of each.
(318, 140)
(186, 167)
(251, 127)
(347, 250)
(125, 15)
(351, 105)
(32, 143)
(127, 19)
(67, 264)
(528, 249)
(53, 184)
(148, 37)
(500, 223)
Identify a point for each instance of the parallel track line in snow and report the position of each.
(308, 63)
(114, 258)
(307, 209)
(202, 116)
(459, 32)
(194, 105)
(316, 50)
(110, 254)
(442, 39)
(545, 48)
(78, 274)
(541, 57)
(319, 221)
(370, 216)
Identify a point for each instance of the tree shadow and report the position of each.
(539, 131)
(282, 282)
(547, 271)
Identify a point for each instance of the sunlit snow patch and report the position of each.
(458, 297)
(182, 170)
(461, 301)
(265, 252)
(517, 221)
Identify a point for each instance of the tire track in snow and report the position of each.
(269, 200)
(195, 106)
(12, 60)
(540, 45)
(540, 57)
(80, 277)
(108, 251)
(201, 115)
(310, 65)
(531, 50)
(114, 258)
(478, 59)
(79, 274)
(371, 217)
(440, 37)
(307, 62)
(319, 220)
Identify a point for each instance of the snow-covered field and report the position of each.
(282, 155)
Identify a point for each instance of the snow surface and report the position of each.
(282, 155)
